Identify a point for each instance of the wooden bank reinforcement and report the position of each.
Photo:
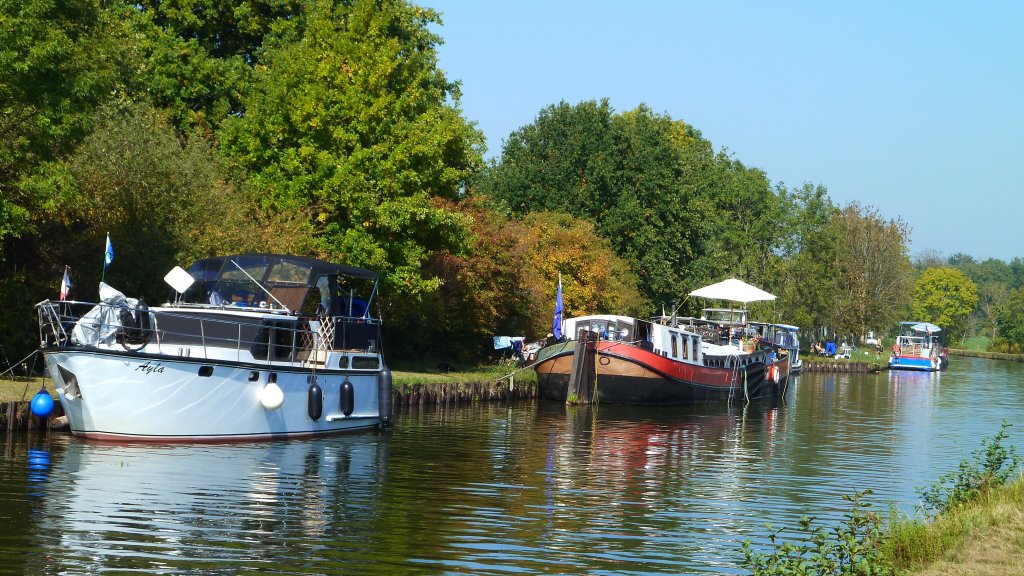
(18, 415)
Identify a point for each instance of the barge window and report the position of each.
(675, 346)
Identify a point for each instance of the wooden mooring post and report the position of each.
(581, 379)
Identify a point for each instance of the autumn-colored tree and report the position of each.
(506, 286)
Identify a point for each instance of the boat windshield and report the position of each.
(301, 285)
(725, 315)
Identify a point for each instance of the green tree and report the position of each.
(55, 66)
(350, 119)
(163, 202)
(750, 222)
(198, 57)
(638, 176)
(945, 297)
(994, 279)
(563, 161)
(807, 284)
(1011, 323)
(873, 270)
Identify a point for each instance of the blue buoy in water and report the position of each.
(42, 403)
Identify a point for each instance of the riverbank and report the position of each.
(983, 537)
(986, 355)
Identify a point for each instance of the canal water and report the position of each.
(530, 488)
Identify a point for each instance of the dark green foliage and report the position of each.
(643, 179)
(1010, 320)
(850, 548)
(992, 465)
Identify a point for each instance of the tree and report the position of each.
(873, 270)
(750, 222)
(350, 119)
(945, 297)
(807, 285)
(506, 285)
(56, 64)
(163, 201)
(638, 176)
(1011, 324)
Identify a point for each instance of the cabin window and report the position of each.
(686, 347)
(365, 362)
(675, 346)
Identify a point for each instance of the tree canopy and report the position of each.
(945, 297)
(327, 128)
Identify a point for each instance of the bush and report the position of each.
(851, 548)
(991, 465)
(1004, 346)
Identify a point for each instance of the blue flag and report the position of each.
(108, 254)
(556, 324)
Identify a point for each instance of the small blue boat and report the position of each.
(917, 348)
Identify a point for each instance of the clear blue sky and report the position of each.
(914, 108)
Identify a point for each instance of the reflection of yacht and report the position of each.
(179, 500)
(252, 346)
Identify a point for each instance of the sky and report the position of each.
(912, 108)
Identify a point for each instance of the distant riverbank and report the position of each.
(986, 355)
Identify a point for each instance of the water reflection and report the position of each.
(38, 464)
(177, 508)
(493, 488)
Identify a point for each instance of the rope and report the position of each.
(10, 369)
(529, 366)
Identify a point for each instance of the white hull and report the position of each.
(125, 396)
(253, 346)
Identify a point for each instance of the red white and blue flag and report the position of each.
(65, 285)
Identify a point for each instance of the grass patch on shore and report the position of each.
(978, 344)
(985, 536)
(483, 373)
(23, 389)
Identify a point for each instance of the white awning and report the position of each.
(733, 289)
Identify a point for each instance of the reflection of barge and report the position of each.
(253, 346)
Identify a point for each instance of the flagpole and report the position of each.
(108, 257)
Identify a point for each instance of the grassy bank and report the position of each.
(970, 521)
(478, 374)
(23, 389)
(985, 536)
